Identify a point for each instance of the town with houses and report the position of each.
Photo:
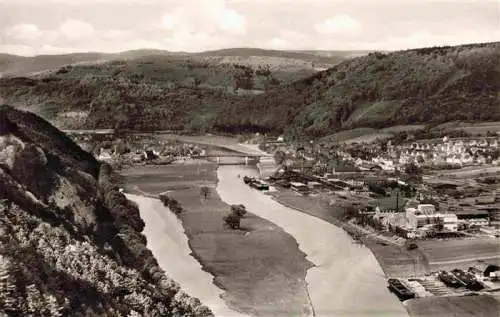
(405, 195)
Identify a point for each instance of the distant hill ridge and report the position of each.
(201, 94)
(428, 85)
(70, 242)
(14, 65)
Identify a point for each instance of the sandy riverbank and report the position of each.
(260, 268)
(169, 244)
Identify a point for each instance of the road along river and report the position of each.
(347, 279)
(169, 244)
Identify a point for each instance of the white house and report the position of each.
(426, 208)
(104, 155)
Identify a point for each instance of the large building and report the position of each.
(425, 217)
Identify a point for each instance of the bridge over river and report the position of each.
(233, 155)
(219, 149)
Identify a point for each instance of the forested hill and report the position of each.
(70, 242)
(154, 90)
(429, 85)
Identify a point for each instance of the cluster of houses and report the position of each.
(455, 153)
(441, 153)
(147, 153)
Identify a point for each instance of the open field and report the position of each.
(403, 128)
(370, 138)
(369, 135)
(457, 251)
(342, 136)
(463, 306)
(475, 129)
(260, 266)
(156, 179)
(472, 171)
(201, 139)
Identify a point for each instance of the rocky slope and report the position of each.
(70, 242)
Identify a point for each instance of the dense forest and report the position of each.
(429, 85)
(70, 242)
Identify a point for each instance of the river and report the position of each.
(346, 280)
(169, 244)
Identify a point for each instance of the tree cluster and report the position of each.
(171, 203)
(233, 220)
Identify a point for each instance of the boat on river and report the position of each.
(468, 279)
(450, 280)
(247, 180)
(255, 183)
(401, 291)
(260, 185)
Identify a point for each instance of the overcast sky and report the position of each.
(29, 27)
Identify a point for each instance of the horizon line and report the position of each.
(306, 51)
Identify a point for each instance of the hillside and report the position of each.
(181, 90)
(71, 243)
(220, 92)
(429, 85)
(12, 65)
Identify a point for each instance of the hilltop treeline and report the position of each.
(71, 243)
(429, 85)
